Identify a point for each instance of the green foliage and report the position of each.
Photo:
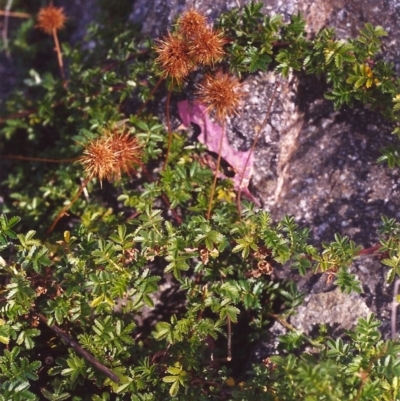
(85, 310)
(5, 230)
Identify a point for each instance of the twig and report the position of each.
(210, 202)
(258, 131)
(168, 128)
(132, 56)
(14, 14)
(373, 250)
(229, 357)
(395, 303)
(288, 326)
(141, 108)
(73, 344)
(163, 197)
(59, 54)
(37, 159)
(25, 113)
(67, 207)
(5, 28)
(366, 373)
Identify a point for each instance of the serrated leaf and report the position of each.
(123, 387)
(229, 311)
(21, 387)
(148, 300)
(67, 372)
(55, 397)
(97, 301)
(170, 379)
(390, 275)
(174, 370)
(4, 340)
(163, 330)
(173, 391)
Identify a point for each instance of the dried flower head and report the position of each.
(51, 19)
(192, 23)
(207, 47)
(222, 94)
(127, 153)
(173, 57)
(111, 155)
(98, 159)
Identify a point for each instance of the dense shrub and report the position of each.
(130, 269)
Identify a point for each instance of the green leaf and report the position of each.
(163, 330)
(229, 311)
(54, 396)
(173, 390)
(97, 301)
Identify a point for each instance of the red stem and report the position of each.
(151, 94)
(168, 128)
(59, 54)
(39, 159)
(67, 207)
(216, 173)
(79, 350)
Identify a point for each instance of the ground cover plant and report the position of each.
(106, 208)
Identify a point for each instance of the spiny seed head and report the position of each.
(112, 154)
(127, 152)
(98, 159)
(173, 57)
(51, 18)
(222, 94)
(207, 47)
(191, 23)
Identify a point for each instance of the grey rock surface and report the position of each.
(327, 308)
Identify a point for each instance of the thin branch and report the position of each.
(59, 54)
(229, 357)
(132, 56)
(25, 113)
(5, 28)
(288, 326)
(210, 202)
(376, 249)
(73, 344)
(38, 159)
(67, 207)
(141, 108)
(167, 106)
(395, 303)
(15, 14)
(20, 114)
(163, 197)
(367, 373)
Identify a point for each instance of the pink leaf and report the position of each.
(195, 112)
